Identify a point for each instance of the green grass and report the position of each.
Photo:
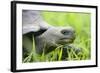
(81, 23)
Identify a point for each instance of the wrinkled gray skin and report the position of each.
(50, 38)
(53, 37)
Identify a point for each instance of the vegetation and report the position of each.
(81, 23)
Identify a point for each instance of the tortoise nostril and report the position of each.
(67, 32)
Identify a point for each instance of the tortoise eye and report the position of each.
(66, 32)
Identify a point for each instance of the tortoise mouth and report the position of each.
(64, 41)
